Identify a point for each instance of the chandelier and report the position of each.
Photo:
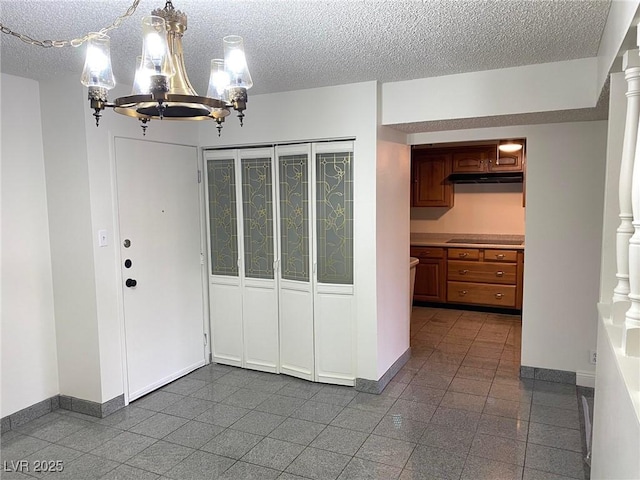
(161, 87)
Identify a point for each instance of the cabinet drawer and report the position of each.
(481, 272)
(500, 255)
(427, 252)
(482, 293)
(464, 254)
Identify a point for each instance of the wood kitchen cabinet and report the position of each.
(430, 283)
(490, 277)
(486, 159)
(430, 186)
(473, 159)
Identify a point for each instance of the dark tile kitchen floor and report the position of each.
(456, 410)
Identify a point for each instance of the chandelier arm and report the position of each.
(76, 42)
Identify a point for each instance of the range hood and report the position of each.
(502, 177)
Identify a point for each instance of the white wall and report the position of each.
(565, 187)
(616, 424)
(79, 159)
(392, 246)
(615, 137)
(68, 200)
(99, 145)
(526, 89)
(616, 416)
(619, 22)
(311, 115)
(478, 208)
(29, 362)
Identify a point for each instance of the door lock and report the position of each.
(130, 282)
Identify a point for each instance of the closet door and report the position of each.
(259, 284)
(225, 294)
(294, 272)
(334, 309)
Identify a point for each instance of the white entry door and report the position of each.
(161, 251)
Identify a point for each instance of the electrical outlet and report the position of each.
(593, 357)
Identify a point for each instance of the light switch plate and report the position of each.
(102, 238)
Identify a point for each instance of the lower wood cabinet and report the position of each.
(482, 294)
(430, 283)
(471, 276)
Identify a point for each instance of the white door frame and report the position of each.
(118, 255)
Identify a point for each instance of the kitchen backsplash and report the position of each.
(478, 208)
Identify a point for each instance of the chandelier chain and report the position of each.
(76, 42)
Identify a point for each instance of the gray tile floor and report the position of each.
(456, 410)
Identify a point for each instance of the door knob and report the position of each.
(130, 282)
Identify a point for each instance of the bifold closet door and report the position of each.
(333, 233)
(242, 245)
(259, 285)
(225, 294)
(295, 272)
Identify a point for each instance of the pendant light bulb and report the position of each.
(97, 70)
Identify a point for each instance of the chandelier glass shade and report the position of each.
(161, 88)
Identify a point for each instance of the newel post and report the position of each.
(631, 66)
(631, 333)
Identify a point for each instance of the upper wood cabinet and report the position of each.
(485, 159)
(508, 162)
(473, 159)
(430, 186)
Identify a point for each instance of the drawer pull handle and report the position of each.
(498, 296)
(463, 255)
(463, 292)
(463, 272)
(500, 256)
(499, 273)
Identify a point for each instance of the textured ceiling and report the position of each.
(295, 44)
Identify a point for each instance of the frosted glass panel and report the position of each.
(222, 217)
(257, 210)
(334, 197)
(294, 217)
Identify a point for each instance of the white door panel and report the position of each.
(296, 330)
(260, 312)
(293, 169)
(159, 213)
(226, 318)
(335, 339)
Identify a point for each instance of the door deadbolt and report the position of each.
(127, 263)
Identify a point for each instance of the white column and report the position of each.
(631, 333)
(631, 66)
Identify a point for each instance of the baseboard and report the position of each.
(548, 375)
(586, 379)
(63, 402)
(30, 413)
(377, 386)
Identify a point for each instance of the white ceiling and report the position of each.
(297, 44)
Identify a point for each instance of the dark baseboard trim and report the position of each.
(64, 402)
(548, 375)
(470, 308)
(30, 413)
(93, 409)
(377, 386)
